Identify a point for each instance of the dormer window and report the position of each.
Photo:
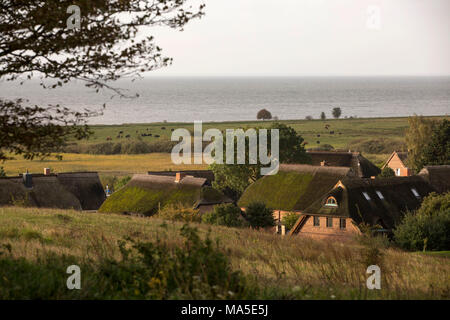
(366, 195)
(416, 194)
(379, 194)
(331, 202)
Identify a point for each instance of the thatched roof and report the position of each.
(46, 192)
(294, 187)
(437, 176)
(360, 165)
(86, 186)
(207, 174)
(145, 194)
(81, 191)
(397, 197)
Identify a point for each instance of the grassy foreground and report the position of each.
(38, 244)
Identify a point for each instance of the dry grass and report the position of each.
(112, 164)
(309, 268)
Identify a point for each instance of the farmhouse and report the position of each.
(352, 201)
(362, 167)
(145, 194)
(207, 174)
(79, 190)
(294, 187)
(397, 162)
(437, 176)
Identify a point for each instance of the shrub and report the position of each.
(2, 172)
(428, 227)
(259, 216)
(178, 212)
(387, 173)
(224, 215)
(376, 146)
(290, 219)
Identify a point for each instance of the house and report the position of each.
(437, 176)
(352, 201)
(146, 194)
(397, 162)
(78, 190)
(207, 174)
(294, 188)
(361, 166)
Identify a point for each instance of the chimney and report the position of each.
(323, 163)
(46, 171)
(27, 180)
(179, 176)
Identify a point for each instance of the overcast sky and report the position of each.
(312, 38)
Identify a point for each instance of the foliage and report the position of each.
(290, 219)
(2, 172)
(34, 37)
(428, 228)
(121, 182)
(418, 136)
(259, 216)
(336, 112)
(308, 118)
(197, 269)
(227, 215)
(233, 179)
(323, 116)
(437, 151)
(177, 212)
(387, 173)
(377, 145)
(264, 115)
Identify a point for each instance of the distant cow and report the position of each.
(108, 138)
(120, 132)
(127, 136)
(163, 128)
(156, 135)
(331, 132)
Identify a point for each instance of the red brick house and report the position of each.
(397, 162)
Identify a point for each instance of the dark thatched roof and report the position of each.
(360, 165)
(437, 176)
(80, 191)
(207, 174)
(146, 194)
(294, 187)
(397, 197)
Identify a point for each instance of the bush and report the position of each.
(227, 215)
(178, 212)
(387, 173)
(428, 228)
(290, 219)
(377, 146)
(259, 216)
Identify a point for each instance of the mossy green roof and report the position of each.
(293, 188)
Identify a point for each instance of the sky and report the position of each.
(311, 38)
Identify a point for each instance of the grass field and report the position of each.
(281, 268)
(348, 133)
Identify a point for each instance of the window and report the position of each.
(379, 194)
(316, 222)
(416, 194)
(331, 202)
(366, 195)
(329, 222)
(342, 223)
(397, 172)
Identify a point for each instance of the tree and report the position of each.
(264, 115)
(428, 227)
(418, 136)
(35, 40)
(323, 116)
(227, 215)
(290, 219)
(233, 179)
(387, 173)
(336, 112)
(437, 151)
(259, 216)
(308, 117)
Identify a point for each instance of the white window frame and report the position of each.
(379, 194)
(366, 195)
(397, 172)
(415, 193)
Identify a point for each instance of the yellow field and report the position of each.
(113, 164)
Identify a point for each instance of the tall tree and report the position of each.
(418, 136)
(36, 39)
(437, 151)
(323, 116)
(264, 115)
(337, 112)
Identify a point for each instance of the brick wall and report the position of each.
(396, 163)
(323, 231)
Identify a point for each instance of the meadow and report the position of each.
(376, 138)
(274, 267)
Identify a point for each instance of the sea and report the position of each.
(187, 99)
